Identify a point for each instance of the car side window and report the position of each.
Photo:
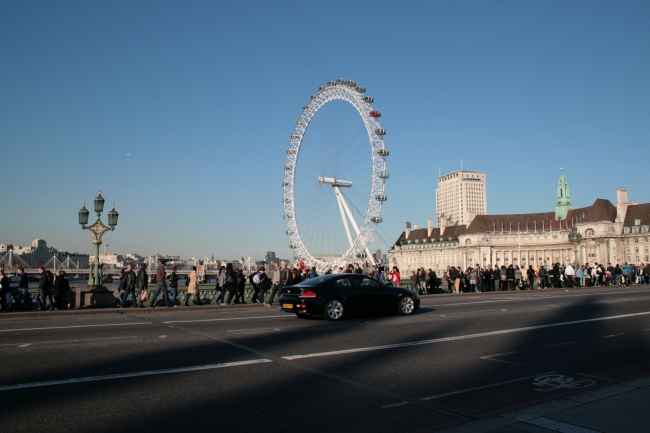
(366, 282)
(342, 282)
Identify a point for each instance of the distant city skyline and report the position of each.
(181, 113)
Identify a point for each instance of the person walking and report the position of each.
(414, 281)
(261, 283)
(542, 277)
(43, 288)
(221, 286)
(142, 283)
(161, 284)
(192, 287)
(60, 288)
(173, 284)
(519, 278)
(284, 280)
(530, 275)
(241, 284)
(275, 280)
(127, 287)
(230, 279)
(4, 291)
(23, 291)
(395, 277)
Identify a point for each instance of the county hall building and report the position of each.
(615, 233)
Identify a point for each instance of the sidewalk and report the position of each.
(621, 407)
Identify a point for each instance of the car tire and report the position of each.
(333, 310)
(303, 315)
(406, 305)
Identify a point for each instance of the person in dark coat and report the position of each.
(4, 289)
(241, 284)
(60, 288)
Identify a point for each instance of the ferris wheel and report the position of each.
(334, 178)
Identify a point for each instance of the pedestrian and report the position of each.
(161, 284)
(221, 286)
(456, 277)
(192, 287)
(4, 291)
(173, 283)
(230, 279)
(432, 280)
(50, 291)
(241, 284)
(284, 277)
(395, 277)
(518, 278)
(414, 281)
(142, 283)
(43, 288)
(261, 283)
(542, 274)
(374, 273)
(60, 289)
(23, 291)
(627, 272)
(313, 273)
(357, 269)
(275, 280)
(530, 275)
(127, 286)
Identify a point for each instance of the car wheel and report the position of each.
(406, 306)
(333, 310)
(303, 315)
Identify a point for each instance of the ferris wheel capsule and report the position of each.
(368, 99)
(360, 89)
(321, 88)
(380, 131)
(382, 152)
(383, 174)
(331, 83)
(351, 83)
(375, 114)
(376, 219)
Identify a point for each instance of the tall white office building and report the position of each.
(460, 196)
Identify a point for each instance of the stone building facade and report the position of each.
(611, 233)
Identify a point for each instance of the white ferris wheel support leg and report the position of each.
(354, 223)
(339, 199)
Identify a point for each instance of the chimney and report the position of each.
(621, 204)
(416, 226)
(430, 228)
(408, 229)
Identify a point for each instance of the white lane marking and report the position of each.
(65, 341)
(232, 318)
(460, 337)
(401, 403)
(136, 374)
(163, 336)
(476, 388)
(74, 326)
(613, 335)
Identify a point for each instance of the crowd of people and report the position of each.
(512, 277)
(133, 288)
(52, 288)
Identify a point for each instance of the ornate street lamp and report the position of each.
(98, 228)
(575, 238)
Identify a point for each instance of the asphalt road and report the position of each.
(458, 359)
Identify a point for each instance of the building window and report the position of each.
(637, 222)
(644, 229)
(635, 229)
(626, 230)
(636, 240)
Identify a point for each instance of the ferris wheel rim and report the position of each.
(348, 92)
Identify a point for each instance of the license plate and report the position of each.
(287, 305)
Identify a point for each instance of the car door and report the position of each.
(353, 298)
(370, 291)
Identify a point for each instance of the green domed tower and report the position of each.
(563, 203)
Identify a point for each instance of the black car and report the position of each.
(333, 296)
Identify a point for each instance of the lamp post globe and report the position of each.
(112, 217)
(99, 203)
(83, 215)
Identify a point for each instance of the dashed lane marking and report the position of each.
(562, 344)
(613, 335)
(136, 374)
(595, 377)
(65, 341)
(492, 358)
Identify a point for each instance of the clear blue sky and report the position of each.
(203, 96)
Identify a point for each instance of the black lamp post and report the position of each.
(98, 228)
(575, 238)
